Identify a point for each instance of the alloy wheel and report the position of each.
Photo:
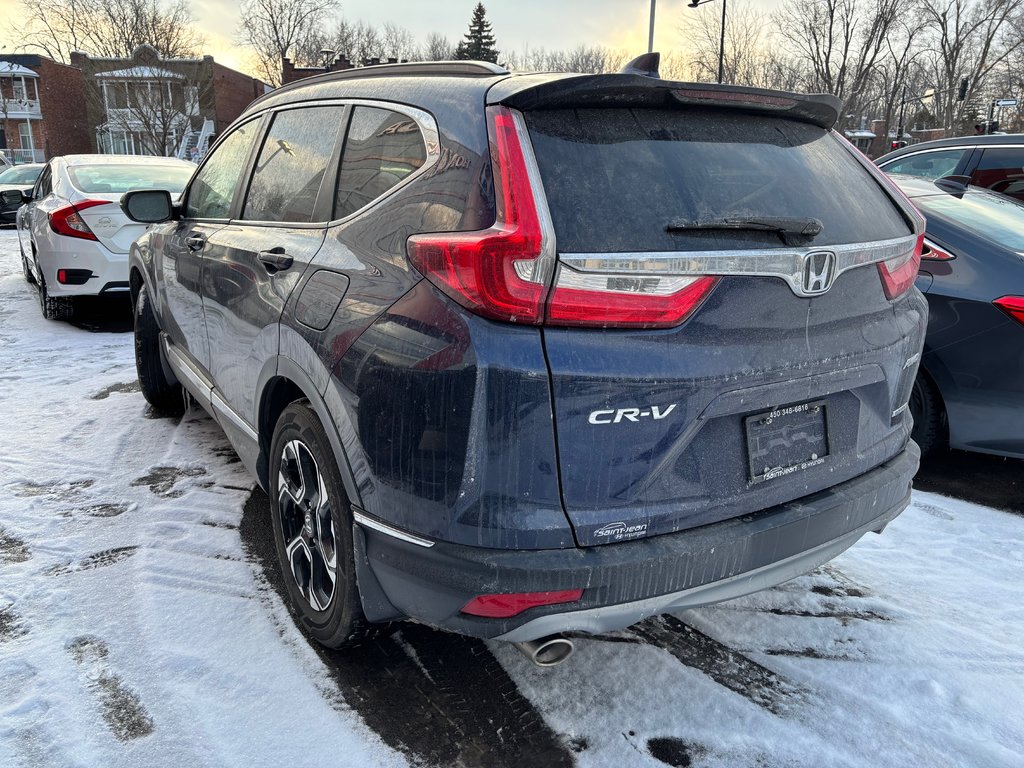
(306, 521)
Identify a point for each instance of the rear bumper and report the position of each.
(109, 270)
(624, 583)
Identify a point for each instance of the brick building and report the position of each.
(148, 104)
(42, 106)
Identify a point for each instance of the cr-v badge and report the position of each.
(614, 416)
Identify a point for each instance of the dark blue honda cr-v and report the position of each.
(517, 355)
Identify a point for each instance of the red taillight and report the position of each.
(1013, 306)
(67, 221)
(623, 302)
(504, 606)
(494, 272)
(505, 272)
(899, 273)
(932, 252)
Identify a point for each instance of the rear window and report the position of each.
(614, 178)
(123, 177)
(995, 217)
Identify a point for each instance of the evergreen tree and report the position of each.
(478, 43)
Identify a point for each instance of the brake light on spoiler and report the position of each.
(507, 272)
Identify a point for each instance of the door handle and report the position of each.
(195, 242)
(275, 260)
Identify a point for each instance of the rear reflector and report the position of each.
(1013, 306)
(898, 274)
(504, 606)
(67, 221)
(74, 276)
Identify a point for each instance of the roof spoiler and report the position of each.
(638, 85)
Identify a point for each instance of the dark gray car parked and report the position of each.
(970, 387)
(517, 355)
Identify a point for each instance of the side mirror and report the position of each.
(14, 197)
(148, 206)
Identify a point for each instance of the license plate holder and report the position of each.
(786, 440)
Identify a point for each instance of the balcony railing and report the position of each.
(15, 108)
(19, 156)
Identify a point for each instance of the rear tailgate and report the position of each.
(765, 393)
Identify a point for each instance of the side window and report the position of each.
(211, 192)
(930, 165)
(292, 164)
(44, 184)
(1002, 170)
(382, 149)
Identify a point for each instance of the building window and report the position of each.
(25, 135)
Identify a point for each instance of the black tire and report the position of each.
(311, 529)
(158, 385)
(54, 307)
(929, 416)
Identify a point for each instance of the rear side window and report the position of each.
(929, 165)
(122, 177)
(1002, 170)
(382, 149)
(292, 163)
(995, 217)
(615, 178)
(211, 193)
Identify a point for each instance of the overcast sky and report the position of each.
(517, 23)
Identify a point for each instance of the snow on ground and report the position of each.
(136, 630)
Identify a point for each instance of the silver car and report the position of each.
(73, 236)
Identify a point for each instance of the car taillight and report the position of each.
(933, 252)
(605, 301)
(505, 605)
(501, 272)
(899, 273)
(67, 220)
(505, 272)
(1013, 306)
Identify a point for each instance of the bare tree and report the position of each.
(748, 57)
(109, 28)
(971, 38)
(399, 43)
(154, 109)
(358, 41)
(437, 48)
(275, 28)
(838, 43)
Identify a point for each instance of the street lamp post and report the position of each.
(721, 41)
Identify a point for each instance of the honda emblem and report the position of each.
(819, 272)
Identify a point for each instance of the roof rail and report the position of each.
(408, 69)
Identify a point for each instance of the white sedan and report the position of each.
(73, 235)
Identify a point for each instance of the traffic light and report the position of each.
(961, 92)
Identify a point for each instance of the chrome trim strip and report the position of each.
(784, 263)
(221, 406)
(365, 520)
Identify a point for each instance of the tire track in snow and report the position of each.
(440, 699)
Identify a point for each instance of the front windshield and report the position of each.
(122, 177)
(995, 217)
(21, 174)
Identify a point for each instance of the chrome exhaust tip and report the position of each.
(547, 651)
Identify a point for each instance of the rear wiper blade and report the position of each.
(793, 229)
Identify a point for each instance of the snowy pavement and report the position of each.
(141, 622)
